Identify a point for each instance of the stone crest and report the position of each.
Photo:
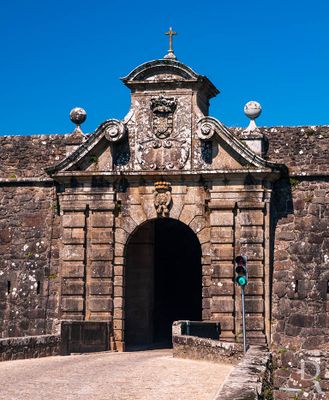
(162, 198)
(165, 145)
(163, 109)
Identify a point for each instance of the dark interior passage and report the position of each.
(163, 281)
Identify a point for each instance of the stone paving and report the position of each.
(142, 375)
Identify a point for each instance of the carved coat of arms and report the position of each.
(163, 147)
(162, 198)
(163, 109)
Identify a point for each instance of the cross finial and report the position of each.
(170, 53)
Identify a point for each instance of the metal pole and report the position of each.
(243, 321)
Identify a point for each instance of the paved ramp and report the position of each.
(143, 375)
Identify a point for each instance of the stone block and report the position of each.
(222, 252)
(222, 305)
(255, 323)
(251, 217)
(221, 235)
(221, 218)
(118, 324)
(101, 253)
(72, 287)
(100, 304)
(189, 211)
(101, 220)
(205, 303)
(118, 270)
(101, 269)
(100, 287)
(206, 249)
(119, 250)
(226, 322)
(72, 304)
(73, 252)
(118, 313)
(118, 302)
(177, 206)
(137, 214)
(73, 236)
(255, 269)
(118, 334)
(255, 287)
(222, 288)
(121, 236)
(198, 223)
(253, 251)
(252, 234)
(71, 269)
(223, 270)
(118, 291)
(74, 220)
(126, 223)
(118, 280)
(101, 236)
(204, 235)
(254, 305)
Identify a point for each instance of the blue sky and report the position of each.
(59, 54)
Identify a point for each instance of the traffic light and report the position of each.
(241, 277)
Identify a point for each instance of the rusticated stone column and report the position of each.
(251, 224)
(87, 256)
(73, 264)
(222, 290)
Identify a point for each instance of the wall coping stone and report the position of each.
(249, 377)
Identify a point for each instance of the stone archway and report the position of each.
(163, 280)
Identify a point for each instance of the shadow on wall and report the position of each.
(282, 206)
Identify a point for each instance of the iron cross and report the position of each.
(170, 33)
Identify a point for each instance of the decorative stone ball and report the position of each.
(78, 115)
(252, 109)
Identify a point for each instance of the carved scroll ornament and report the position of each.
(115, 131)
(205, 130)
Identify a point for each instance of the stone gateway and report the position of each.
(138, 224)
(134, 186)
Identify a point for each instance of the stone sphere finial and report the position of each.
(252, 110)
(78, 116)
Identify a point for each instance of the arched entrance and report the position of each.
(163, 280)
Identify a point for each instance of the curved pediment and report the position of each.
(166, 130)
(170, 72)
(94, 149)
(161, 68)
(112, 137)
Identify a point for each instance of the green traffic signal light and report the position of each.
(241, 280)
(241, 271)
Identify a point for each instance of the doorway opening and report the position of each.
(163, 281)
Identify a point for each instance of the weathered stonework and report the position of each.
(73, 210)
(16, 348)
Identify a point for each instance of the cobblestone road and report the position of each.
(143, 375)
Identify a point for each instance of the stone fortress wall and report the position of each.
(29, 233)
(30, 246)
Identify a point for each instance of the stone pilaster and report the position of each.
(73, 264)
(251, 222)
(222, 290)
